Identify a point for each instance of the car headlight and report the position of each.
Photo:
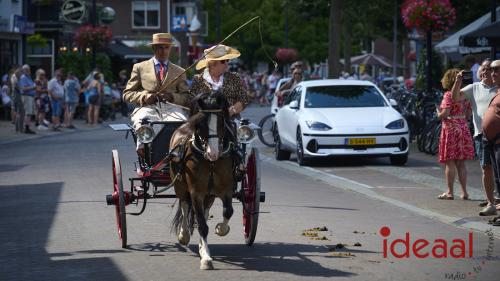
(145, 134)
(317, 126)
(398, 124)
(245, 133)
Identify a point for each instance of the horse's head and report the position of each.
(209, 113)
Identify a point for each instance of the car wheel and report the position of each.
(301, 160)
(399, 160)
(278, 151)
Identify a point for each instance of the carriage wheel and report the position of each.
(121, 220)
(250, 187)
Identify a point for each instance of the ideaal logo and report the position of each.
(439, 248)
(423, 248)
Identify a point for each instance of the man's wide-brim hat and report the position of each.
(218, 52)
(162, 39)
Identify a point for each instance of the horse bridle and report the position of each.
(204, 142)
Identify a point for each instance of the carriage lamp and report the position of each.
(145, 133)
(245, 133)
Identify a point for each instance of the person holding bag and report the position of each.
(455, 143)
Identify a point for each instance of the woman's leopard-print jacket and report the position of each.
(232, 88)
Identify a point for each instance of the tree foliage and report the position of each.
(364, 20)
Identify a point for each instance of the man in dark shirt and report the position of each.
(491, 128)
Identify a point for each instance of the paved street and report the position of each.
(55, 225)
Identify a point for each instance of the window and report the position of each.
(343, 96)
(187, 9)
(146, 14)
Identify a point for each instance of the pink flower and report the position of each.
(435, 14)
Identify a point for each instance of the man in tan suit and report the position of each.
(152, 88)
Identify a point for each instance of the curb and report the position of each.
(366, 190)
(25, 137)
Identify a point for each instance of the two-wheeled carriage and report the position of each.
(154, 179)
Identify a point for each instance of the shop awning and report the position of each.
(452, 45)
(486, 36)
(120, 49)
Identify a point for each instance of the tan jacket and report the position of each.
(143, 83)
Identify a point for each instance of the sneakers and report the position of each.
(489, 210)
(29, 131)
(42, 127)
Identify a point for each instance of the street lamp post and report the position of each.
(428, 63)
(94, 24)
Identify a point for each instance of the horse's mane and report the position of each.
(196, 115)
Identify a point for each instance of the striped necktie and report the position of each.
(162, 71)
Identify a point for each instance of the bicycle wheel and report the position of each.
(266, 130)
(430, 136)
(435, 141)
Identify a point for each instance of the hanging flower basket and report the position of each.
(87, 35)
(412, 56)
(425, 15)
(286, 55)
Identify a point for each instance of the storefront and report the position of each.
(11, 41)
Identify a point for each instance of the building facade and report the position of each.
(13, 30)
(132, 27)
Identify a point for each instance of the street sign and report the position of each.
(73, 10)
(179, 23)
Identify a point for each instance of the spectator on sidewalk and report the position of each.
(6, 100)
(455, 142)
(480, 95)
(95, 90)
(42, 99)
(272, 82)
(472, 65)
(491, 126)
(71, 98)
(56, 94)
(17, 102)
(285, 89)
(125, 107)
(28, 92)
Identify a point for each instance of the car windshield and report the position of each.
(343, 96)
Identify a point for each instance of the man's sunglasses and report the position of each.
(162, 47)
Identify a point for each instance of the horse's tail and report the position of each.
(177, 220)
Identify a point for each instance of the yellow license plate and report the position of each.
(360, 141)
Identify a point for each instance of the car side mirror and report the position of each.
(393, 102)
(294, 104)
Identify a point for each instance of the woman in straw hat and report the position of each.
(215, 77)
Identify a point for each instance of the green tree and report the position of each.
(437, 71)
(79, 64)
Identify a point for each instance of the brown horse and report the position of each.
(204, 169)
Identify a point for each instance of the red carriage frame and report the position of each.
(153, 179)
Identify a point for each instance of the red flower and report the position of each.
(436, 15)
(286, 55)
(87, 36)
